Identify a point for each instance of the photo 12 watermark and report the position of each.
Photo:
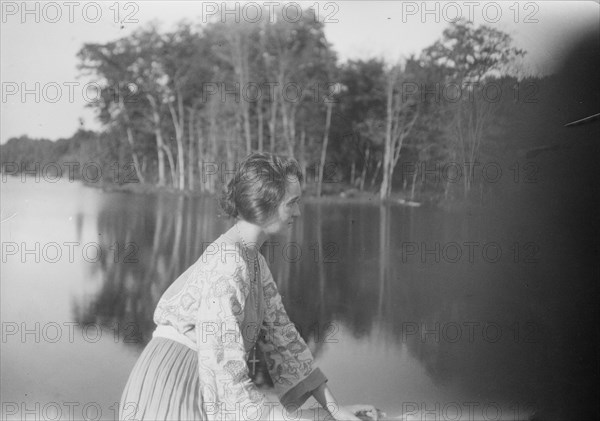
(68, 252)
(470, 332)
(52, 172)
(53, 12)
(466, 410)
(272, 250)
(68, 92)
(469, 252)
(69, 332)
(253, 92)
(58, 411)
(485, 91)
(54, 332)
(474, 11)
(270, 11)
(459, 172)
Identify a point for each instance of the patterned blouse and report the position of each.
(224, 307)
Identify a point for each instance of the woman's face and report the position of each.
(288, 210)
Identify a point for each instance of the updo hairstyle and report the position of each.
(258, 187)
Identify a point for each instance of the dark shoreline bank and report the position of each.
(347, 195)
(332, 194)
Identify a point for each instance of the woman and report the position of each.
(211, 317)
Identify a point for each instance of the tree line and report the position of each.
(178, 106)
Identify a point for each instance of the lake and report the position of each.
(419, 311)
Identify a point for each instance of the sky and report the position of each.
(44, 95)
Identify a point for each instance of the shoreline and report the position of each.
(331, 195)
(348, 196)
(343, 196)
(137, 188)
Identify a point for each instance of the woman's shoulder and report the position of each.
(221, 257)
(219, 270)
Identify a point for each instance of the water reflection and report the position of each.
(153, 239)
(368, 286)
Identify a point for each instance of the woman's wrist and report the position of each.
(324, 396)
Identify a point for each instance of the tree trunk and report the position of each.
(240, 62)
(284, 124)
(178, 121)
(401, 130)
(247, 132)
(200, 148)
(324, 148)
(377, 168)
(414, 182)
(259, 114)
(213, 143)
(160, 144)
(273, 125)
(191, 144)
(136, 161)
(363, 175)
(396, 130)
(292, 135)
(172, 165)
(230, 136)
(387, 150)
(303, 156)
(131, 141)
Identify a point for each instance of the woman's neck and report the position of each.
(248, 235)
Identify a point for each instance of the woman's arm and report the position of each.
(227, 391)
(289, 360)
(324, 396)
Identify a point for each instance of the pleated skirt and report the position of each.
(163, 384)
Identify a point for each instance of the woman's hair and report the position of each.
(258, 186)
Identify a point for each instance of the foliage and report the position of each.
(176, 105)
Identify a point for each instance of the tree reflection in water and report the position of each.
(354, 271)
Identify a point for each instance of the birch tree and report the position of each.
(400, 118)
(471, 59)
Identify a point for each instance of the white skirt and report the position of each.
(163, 385)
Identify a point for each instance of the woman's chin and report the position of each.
(286, 228)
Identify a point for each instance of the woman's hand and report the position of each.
(344, 413)
(351, 412)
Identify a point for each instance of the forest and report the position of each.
(178, 108)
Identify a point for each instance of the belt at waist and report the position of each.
(169, 332)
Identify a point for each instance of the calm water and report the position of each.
(417, 311)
